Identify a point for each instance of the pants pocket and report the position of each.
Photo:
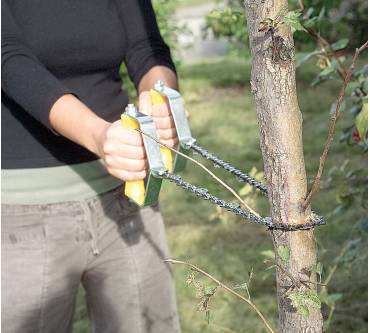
(23, 271)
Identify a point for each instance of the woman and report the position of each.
(64, 158)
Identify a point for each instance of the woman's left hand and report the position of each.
(161, 115)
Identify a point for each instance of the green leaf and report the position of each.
(268, 254)
(332, 298)
(327, 71)
(292, 20)
(302, 57)
(323, 76)
(361, 122)
(321, 14)
(340, 44)
(284, 253)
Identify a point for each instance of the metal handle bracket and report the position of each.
(153, 182)
(176, 104)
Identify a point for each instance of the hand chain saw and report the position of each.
(163, 166)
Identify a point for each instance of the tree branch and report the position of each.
(223, 286)
(333, 120)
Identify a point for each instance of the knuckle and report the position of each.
(106, 147)
(108, 161)
(139, 165)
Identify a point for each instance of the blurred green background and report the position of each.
(217, 94)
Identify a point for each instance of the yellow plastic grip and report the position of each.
(157, 98)
(135, 189)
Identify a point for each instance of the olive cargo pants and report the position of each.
(106, 243)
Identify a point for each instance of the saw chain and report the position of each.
(162, 166)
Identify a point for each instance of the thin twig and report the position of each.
(325, 44)
(299, 282)
(223, 286)
(204, 168)
(316, 283)
(335, 267)
(301, 5)
(295, 281)
(333, 120)
(221, 328)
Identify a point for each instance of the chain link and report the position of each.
(235, 208)
(229, 167)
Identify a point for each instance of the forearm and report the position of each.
(75, 121)
(162, 73)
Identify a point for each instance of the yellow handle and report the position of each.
(135, 189)
(157, 98)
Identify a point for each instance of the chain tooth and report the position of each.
(227, 166)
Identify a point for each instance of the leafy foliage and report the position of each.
(337, 18)
(229, 22)
(203, 292)
(292, 20)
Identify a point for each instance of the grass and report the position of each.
(223, 119)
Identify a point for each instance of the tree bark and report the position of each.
(280, 122)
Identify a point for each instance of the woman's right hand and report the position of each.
(122, 151)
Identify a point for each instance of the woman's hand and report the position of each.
(162, 117)
(122, 151)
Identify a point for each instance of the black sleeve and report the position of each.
(146, 47)
(24, 79)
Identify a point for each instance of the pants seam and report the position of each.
(45, 282)
(135, 275)
(88, 216)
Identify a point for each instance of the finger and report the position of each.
(145, 103)
(164, 122)
(161, 110)
(127, 176)
(170, 142)
(126, 136)
(166, 134)
(118, 162)
(115, 147)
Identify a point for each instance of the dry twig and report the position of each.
(223, 286)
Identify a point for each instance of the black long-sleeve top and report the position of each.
(55, 47)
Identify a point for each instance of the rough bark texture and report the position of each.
(280, 121)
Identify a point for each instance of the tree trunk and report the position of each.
(280, 122)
